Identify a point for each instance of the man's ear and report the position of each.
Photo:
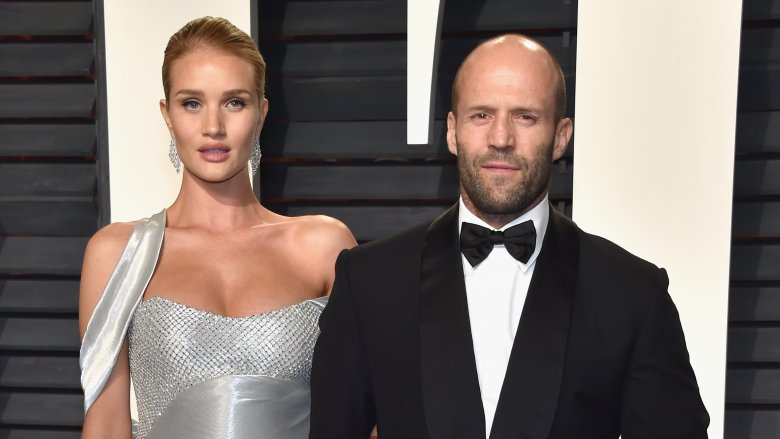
(563, 132)
(452, 139)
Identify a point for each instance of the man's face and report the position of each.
(505, 133)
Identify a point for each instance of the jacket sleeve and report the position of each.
(341, 399)
(660, 396)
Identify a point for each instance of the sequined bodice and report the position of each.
(173, 347)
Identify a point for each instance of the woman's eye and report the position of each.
(236, 103)
(191, 105)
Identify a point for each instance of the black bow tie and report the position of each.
(476, 242)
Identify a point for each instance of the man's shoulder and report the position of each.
(601, 259)
(401, 243)
(610, 276)
(385, 262)
(597, 251)
(612, 253)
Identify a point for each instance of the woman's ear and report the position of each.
(166, 116)
(263, 114)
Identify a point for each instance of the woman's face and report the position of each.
(214, 113)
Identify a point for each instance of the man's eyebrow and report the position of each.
(479, 108)
(527, 109)
(523, 108)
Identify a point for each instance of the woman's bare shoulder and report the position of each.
(105, 247)
(319, 239)
(101, 256)
(321, 232)
(111, 237)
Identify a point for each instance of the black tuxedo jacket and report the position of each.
(599, 350)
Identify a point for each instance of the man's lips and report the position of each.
(500, 167)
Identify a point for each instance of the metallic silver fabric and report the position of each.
(107, 327)
(235, 375)
(238, 407)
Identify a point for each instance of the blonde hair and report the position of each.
(214, 33)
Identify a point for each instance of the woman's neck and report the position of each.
(217, 206)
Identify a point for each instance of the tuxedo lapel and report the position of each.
(450, 387)
(529, 394)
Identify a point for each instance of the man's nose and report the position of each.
(501, 134)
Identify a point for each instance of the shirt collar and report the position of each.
(540, 215)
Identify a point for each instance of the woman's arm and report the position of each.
(109, 416)
(325, 238)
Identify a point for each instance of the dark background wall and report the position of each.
(48, 190)
(334, 144)
(753, 373)
(335, 139)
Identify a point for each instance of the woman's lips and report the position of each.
(214, 153)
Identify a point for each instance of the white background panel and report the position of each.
(142, 178)
(656, 114)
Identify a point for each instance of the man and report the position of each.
(451, 330)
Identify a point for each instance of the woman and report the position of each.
(216, 326)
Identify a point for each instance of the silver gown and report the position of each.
(198, 374)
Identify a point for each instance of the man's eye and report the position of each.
(480, 115)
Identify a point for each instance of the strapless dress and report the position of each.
(202, 375)
(197, 374)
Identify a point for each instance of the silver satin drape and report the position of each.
(108, 325)
(238, 407)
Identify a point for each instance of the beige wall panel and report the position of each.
(656, 113)
(142, 178)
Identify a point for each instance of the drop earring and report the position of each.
(173, 154)
(254, 157)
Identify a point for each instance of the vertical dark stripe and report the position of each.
(103, 197)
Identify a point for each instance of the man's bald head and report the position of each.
(513, 45)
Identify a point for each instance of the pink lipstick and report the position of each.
(214, 153)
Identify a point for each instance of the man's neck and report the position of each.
(499, 220)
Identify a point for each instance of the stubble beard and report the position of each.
(505, 195)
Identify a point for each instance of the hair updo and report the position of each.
(213, 33)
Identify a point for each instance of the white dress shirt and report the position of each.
(496, 289)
